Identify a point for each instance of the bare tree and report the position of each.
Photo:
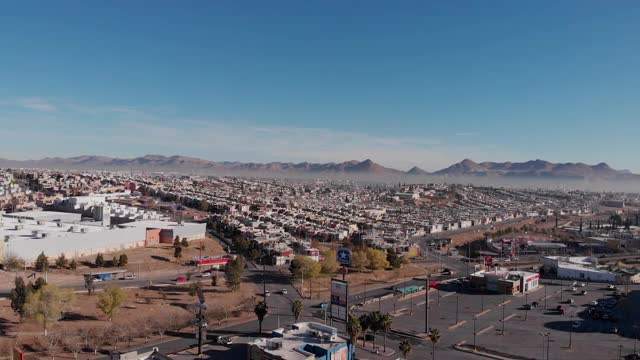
(85, 335)
(159, 326)
(98, 338)
(52, 344)
(73, 343)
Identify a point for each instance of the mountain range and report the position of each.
(465, 168)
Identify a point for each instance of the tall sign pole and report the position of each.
(426, 312)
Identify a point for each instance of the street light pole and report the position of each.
(426, 311)
(503, 300)
(526, 305)
(571, 332)
(457, 306)
(474, 332)
(545, 298)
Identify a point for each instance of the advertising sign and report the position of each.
(344, 256)
(339, 300)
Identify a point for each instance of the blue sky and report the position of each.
(404, 83)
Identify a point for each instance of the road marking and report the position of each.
(484, 330)
(509, 317)
(448, 294)
(482, 313)
(504, 303)
(546, 297)
(421, 303)
(458, 324)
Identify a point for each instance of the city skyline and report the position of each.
(403, 85)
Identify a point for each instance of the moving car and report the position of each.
(267, 293)
(181, 279)
(205, 275)
(576, 324)
(129, 277)
(284, 292)
(223, 340)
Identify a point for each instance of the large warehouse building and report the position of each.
(25, 235)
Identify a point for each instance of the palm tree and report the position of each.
(435, 337)
(385, 321)
(375, 319)
(365, 323)
(296, 309)
(405, 348)
(261, 311)
(353, 329)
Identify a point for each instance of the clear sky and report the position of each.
(404, 83)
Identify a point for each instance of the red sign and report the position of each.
(534, 277)
(209, 262)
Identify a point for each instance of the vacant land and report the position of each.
(147, 315)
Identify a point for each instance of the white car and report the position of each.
(582, 284)
(205, 275)
(97, 279)
(267, 293)
(594, 303)
(284, 291)
(129, 277)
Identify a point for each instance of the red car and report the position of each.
(181, 279)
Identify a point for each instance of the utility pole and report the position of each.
(426, 311)
(457, 306)
(548, 344)
(545, 297)
(571, 332)
(620, 352)
(503, 305)
(526, 305)
(474, 332)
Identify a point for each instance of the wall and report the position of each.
(153, 237)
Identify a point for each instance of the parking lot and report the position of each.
(452, 312)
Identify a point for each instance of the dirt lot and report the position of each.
(148, 261)
(377, 278)
(145, 312)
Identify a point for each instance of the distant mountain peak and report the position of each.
(417, 171)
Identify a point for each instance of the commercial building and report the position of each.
(505, 281)
(26, 235)
(305, 341)
(587, 268)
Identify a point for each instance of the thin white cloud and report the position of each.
(467, 133)
(39, 104)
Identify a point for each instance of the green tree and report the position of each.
(114, 261)
(89, 285)
(434, 335)
(111, 300)
(123, 260)
(303, 267)
(184, 243)
(61, 261)
(296, 309)
(42, 263)
(329, 265)
(252, 254)
(353, 329)
(177, 252)
(193, 288)
(48, 304)
(375, 319)
(405, 348)
(377, 259)
(385, 323)
(176, 242)
(359, 260)
(394, 260)
(241, 245)
(39, 284)
(233, 273)
(99, 260)
(73, 264)
(365, 323)
(261, 310)
(18, 296)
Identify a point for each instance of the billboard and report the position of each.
(339, 300)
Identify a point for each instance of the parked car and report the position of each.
(582, 284)
(569, 301)
(267, 293)
(129, 277)
(583, 292)
(573, 288)
(97, 280)
(527, 306)
(284, 292)
(535, 304)
(594, 303)
(613, 330)
(205, 275)
(611, 287)
(560, 309)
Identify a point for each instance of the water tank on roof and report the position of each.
(19, 227)
(83, 230)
